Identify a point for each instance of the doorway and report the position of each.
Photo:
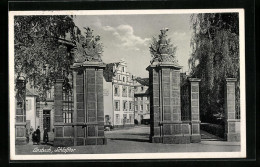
(47, 120)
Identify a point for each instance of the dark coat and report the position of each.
(38, 132)
(45, 136)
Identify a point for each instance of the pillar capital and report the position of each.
(231, 79)
(194, 79)
(88, 65)
(163, 65)
(59, 81)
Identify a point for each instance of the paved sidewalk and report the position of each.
(135, 140)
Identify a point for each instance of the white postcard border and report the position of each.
(181, 155)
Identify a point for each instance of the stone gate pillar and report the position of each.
(63, 132)
(88, 104)
(194, 110)
(232, 125)
(20, 113)
(166, 125)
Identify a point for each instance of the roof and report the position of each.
(143, 81)
(29, 93)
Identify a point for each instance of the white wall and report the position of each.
(31, 110)
(108, 100)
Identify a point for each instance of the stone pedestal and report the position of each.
(20, 113)
(194, 110)
(166, 125)
(232, 125)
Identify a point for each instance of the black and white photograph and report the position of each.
(127, 84)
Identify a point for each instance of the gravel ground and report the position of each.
(134, 140)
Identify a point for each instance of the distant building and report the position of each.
(39, 113)
(31, 119)
(118, 91)
(142, 100)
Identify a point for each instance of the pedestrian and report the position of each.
(27, 135)
(34, 137)
(45, 136)
(31, 131)
(38, 132)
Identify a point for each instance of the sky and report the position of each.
(129, 37)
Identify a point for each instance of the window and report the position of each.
(237, 113)
(107, 120)
(123, 69)
(130, 106)
(20, 112)
(125, 105)
(124, 91)
(142, 88)
(117, 105)
(44, 69)
(147, 107)
(131, 118)
(49, 94)
(124, 118)
(123, 79)
(136, 107)
(67, 106)
(116, 92)
(119, 77)
(141, 98)
(141, 107)
(129, 92)
(28, 104)
(117, 118)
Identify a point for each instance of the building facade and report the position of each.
(40, 113)
(142, 100)
(119, 89)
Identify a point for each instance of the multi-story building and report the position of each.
(119, 90)
(39, 113)
(142, 100)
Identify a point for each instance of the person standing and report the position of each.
(38, 132)
(45, 136)
(27, 135)
(31, 131)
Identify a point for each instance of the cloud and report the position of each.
(126, 37)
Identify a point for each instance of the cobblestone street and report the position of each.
(136, 140)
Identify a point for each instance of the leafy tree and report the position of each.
(39, 56)
(215, 57)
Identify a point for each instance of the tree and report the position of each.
(39, 56)
(215, 56)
